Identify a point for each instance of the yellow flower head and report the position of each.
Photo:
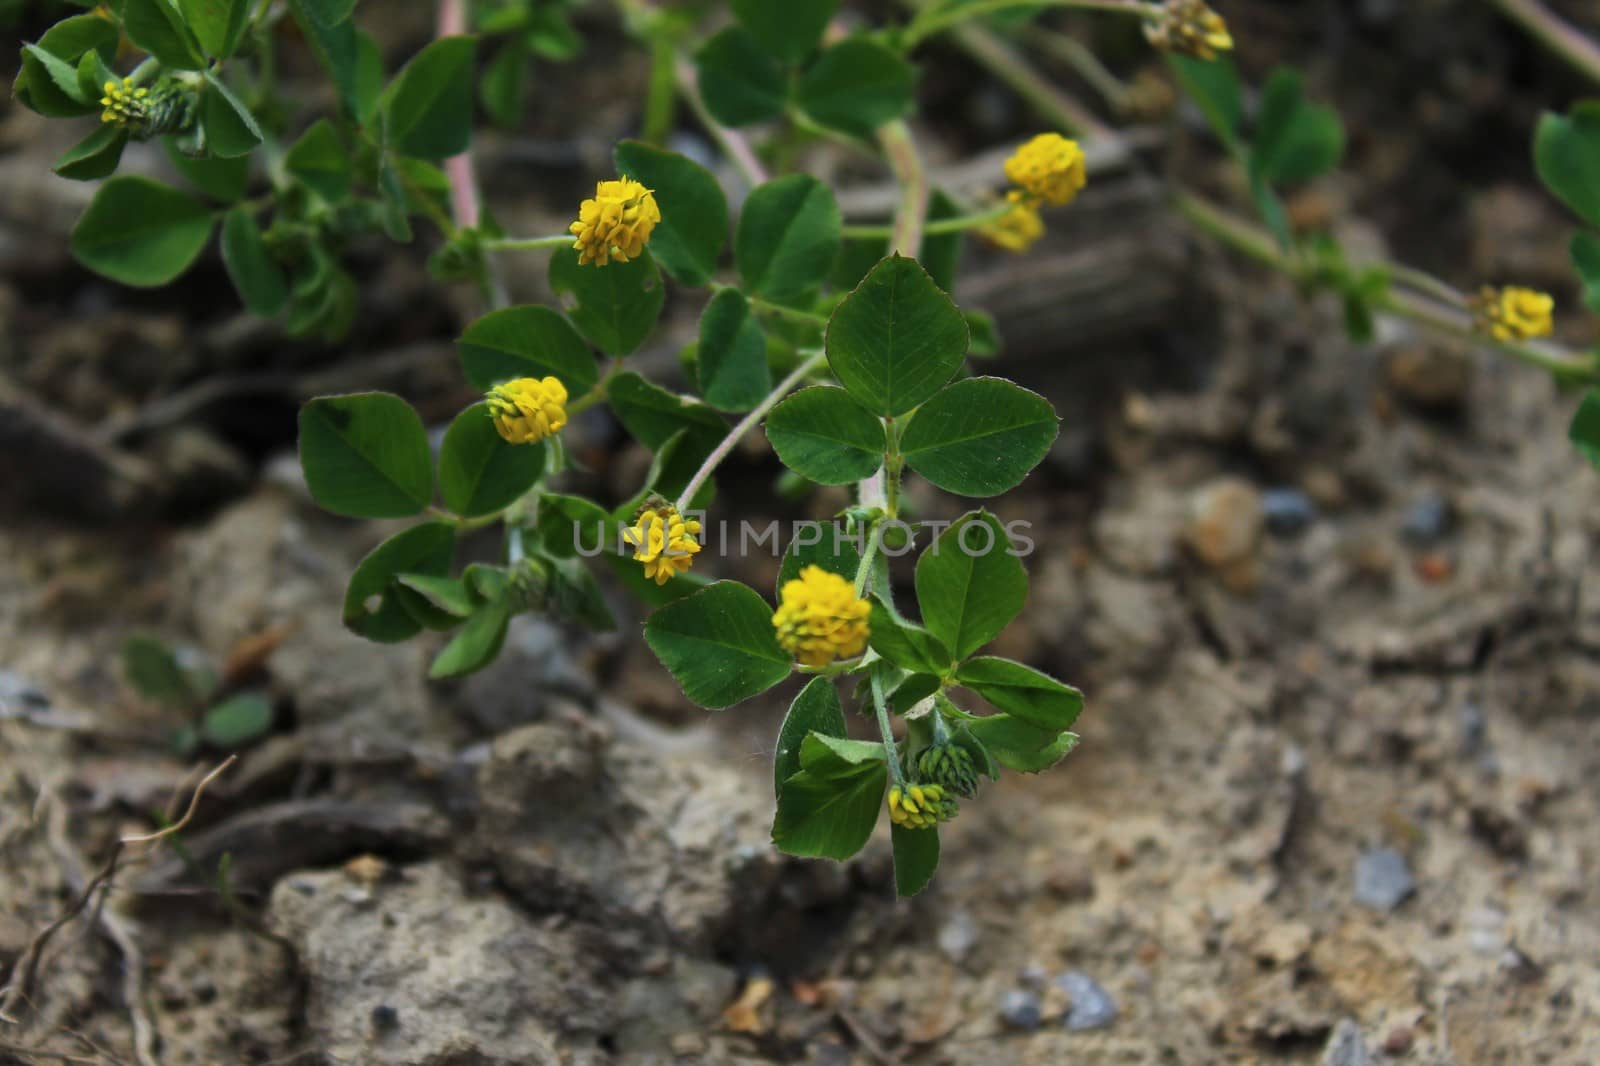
(1189, 28)
(1018, 228)
(921, 806)
(1049, 168)
(616, 223)
(1513, 314)
(528, 409)
(664, 541)
(125, 105)
(820, 618)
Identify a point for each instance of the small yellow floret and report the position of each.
(821, 618)
(125, 105)
(664, 541)
(616, 223)
(528, 409)
(1049, 167)
(1189, 28)
(920, 806)
(1514, 314)
(1018, 228)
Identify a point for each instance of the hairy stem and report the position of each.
(886, 730)
(732, 142)
(746, 424)
(935, 228)
(901, 149)
(527, 244)
(1555, 34)
(934, 20)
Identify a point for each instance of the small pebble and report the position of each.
(1473, 728)
(1225, 522)
(1383, 879)
(1289, 512)
(1092, 1006)
(1346, 1047)
(1020, 1009)
(1427, 520)
(958, 935)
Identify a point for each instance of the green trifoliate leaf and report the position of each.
(906, 645)
(568, 524)
(897, 339)
(451, 595)
(218, 24)
(732, 364)
(1022, 692)
(719, 643)
(616, 306)
(94, 157)
(480, 472)
(223, 180)
(1018, 746)
(828, 809)
(429, 105)
(823, 434)
(1295, 139)
(857, 86)
(1585, 250)
(1214, 87)
(816, 710)
(653, 415)
(827, 545)
(478, 642)
(255, 274)
(376, 605)
(141, 233)
(50, 86)
(237, 721)
(1585, 431)
(787, 238)
(788, 31)
(740, 83)
(527, 342)
(158, 28)
(694, 212)
(338, 46)
(321, 160)
(969, 586)
(916, 857)
(366, 455)
(1566, 152)
(980, 437)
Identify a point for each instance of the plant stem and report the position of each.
(933, 21)
(732, 142)
(746, 424)
(901, 149)
(864, 571)
(1010, 67)
(896, 775)
(1555, 34)
(935, 228)
(1248, 239)
(658, 105)
(526, 244)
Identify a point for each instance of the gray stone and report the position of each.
(1346, 1047)
(958, 935)
(1426, 521)
(1383, 879)
(1289, 512)
(1092, 1006)
(1021, 1009)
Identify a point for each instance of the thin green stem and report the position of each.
(1250, 240)
(935, 19)
(793, 314)
(467, 525)
(746, 424)
(1555, 34)
(886, 730)
(527, 244)
(935, 228)
(864, 571)
(732, 142)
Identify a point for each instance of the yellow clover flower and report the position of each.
(616, 223)
(664, 541)
(920, 806)
(1514, 314)
(1018, 228)
(820, 618)
(124, 104)
(528, 409)
(1189, 28)
(1049, 168)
